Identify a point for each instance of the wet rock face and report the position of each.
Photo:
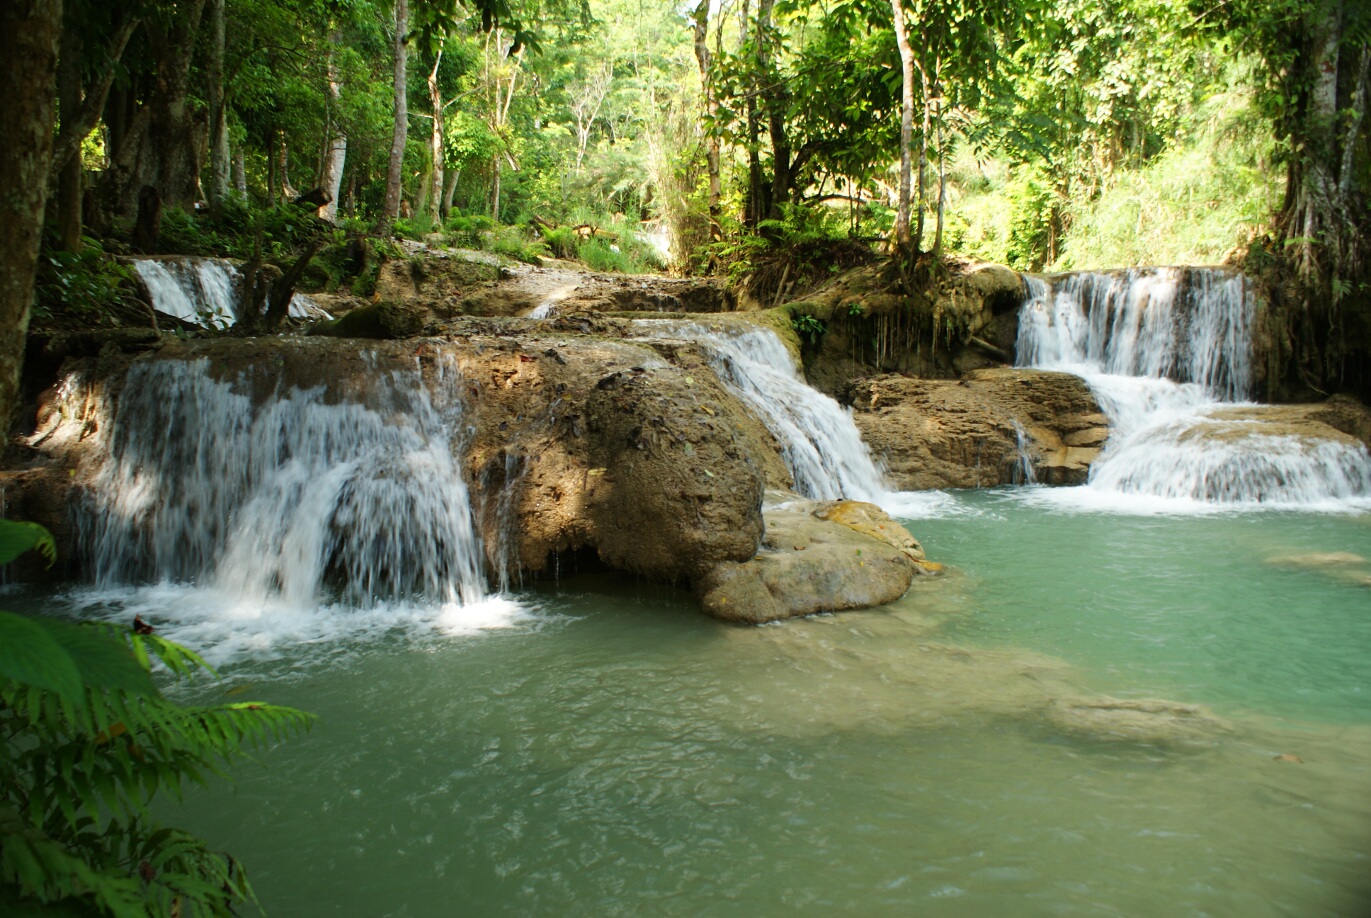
(934, 433)
(817, 556)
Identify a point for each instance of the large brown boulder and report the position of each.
(978, 431)
(817, 556)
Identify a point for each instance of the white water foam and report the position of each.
(819, 440)
(293, 519)
(1164, 351)
(205, 290)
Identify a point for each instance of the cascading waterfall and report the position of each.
(819, 440)
(274, 509)
(1168, 353)
(205, 290)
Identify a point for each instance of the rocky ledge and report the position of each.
(991, 427)
(574, 439)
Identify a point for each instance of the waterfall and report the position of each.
(275, 508)
(1024, 474)
(205, 290)
(819, 440)
(1168, 354)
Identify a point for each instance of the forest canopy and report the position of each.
(1086, 133)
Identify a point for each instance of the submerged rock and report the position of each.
(817, 556)
(993, 427)
(1142, 720)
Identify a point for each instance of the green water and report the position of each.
(619, 754)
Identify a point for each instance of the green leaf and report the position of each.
(17, 538)
(30, 654)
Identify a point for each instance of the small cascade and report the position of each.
(1023, 473)
(290, 501)
(819, 440)
(1168, 353)
(205, 290)
(199, 290)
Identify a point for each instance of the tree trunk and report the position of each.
(495, 189)
(271, 166)
(923, 162)
(942, 184)
(390, 209)
(288, 192)
(335, 155)
(435, 144)
(70, 174)
(159, 149)
(782, 177)
(704, 59)
(29, 32)
(906, 123)
(449, 191)
(240, 173)
(218, 122)
(89, 100)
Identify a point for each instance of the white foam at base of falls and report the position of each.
(275, 509)
(819, 440)
(1130, 336)
(206, 290)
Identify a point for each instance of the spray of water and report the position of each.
(1163, 349)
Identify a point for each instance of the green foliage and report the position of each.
(1192, 204)
(562, 241)
(469, 231)
(809, 328)
(88, 741)
(88, 284)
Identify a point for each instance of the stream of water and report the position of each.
(592, 745)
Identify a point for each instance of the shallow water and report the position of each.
(605, 750)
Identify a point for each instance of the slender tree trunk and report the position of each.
(435, 97)
(906, 122)
(923, 161)
(70, 175)
(240, 173)
(704, 59)
(942, 184)
(271, 166)
(218, 121)
(782, 177)
(29, 34)
(390, 209)
(755, 204)
(495, 189)
(453, 176)
(288, 191)
(335, 156)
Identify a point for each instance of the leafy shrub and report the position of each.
(469, 231)
(562, 241)
(88, 284)
(87, 741)
(599, 256)
(809, 328)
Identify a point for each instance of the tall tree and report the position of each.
(390, 209)
(906, 121)
(704, 58)
(29, 34)
(156, 147)
(335, 152)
